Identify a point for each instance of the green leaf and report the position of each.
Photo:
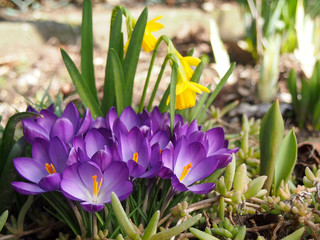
(116, 43)
(286, 159)
(132, 56)
(197, 73)
(271, 135)
(292, 86)
(173, 94)
(87, 68)
(116, 74)
(86, 96)
(167, 234)
(217, 89)
(3, 219)
(151, 229)
(296, 235)
(7, 140)
(316, 116)
(314, 87)
(9, 174)
(122, 217)
(23, 212)
(202, 235)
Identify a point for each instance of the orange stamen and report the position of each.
(50, 168)
(185, 171)
(135, 157)
(96, 188)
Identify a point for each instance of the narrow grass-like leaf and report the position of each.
(292, 86)
(122, 217)
(9, 174)
(218, 89)
(173, 94)
(151, 229)
(314, 87)
(23, 212)
(87, 68)
(86, 96)
(286, 159)
(316, 116)
(271, 135)
(200, 104)
(156, 85)
(304, 102)
(116, 43)
(174, 231)
(61, 211)
(7, 140)
(132, 56)
(197, 73)
(162, 105)
(3, 219)
(116, 74)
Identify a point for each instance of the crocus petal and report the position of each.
(63, 129)
(94, 141)
(51, 182)
(177, 185)
(72, 186)
(111, 117)
(58, 154)
(129, 118)
(203, 188)
(47, 120)
(92, 207)
(201, 170)
(30, 169)
(135, 169)
(116, 179)
(40, 150)
(86, 171)
(191, 153)
(85, 123)
(32, 130)
(215, 138)
(99, 122)
(27, 188)
(102, 158)
(71, 113)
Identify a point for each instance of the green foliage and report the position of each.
(306, 102)
(277, 155)
(271, 134)
(3, 219)
(286, 159)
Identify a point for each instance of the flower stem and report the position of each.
(155, 52)
(94, 225)
(79, 218)
(166, 202)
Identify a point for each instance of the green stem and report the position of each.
(155, 88)
(155, 52)
(94, 225)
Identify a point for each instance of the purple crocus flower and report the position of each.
(86, 182)
(188, 163)
(44, 169)
(49, 125)
(134, 149)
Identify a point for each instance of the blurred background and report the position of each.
(267, 39)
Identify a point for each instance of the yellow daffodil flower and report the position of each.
(149, 41)
(186, 91)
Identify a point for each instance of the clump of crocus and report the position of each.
(87, 159)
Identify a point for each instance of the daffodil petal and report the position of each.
(154, 26)
(193, 61)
